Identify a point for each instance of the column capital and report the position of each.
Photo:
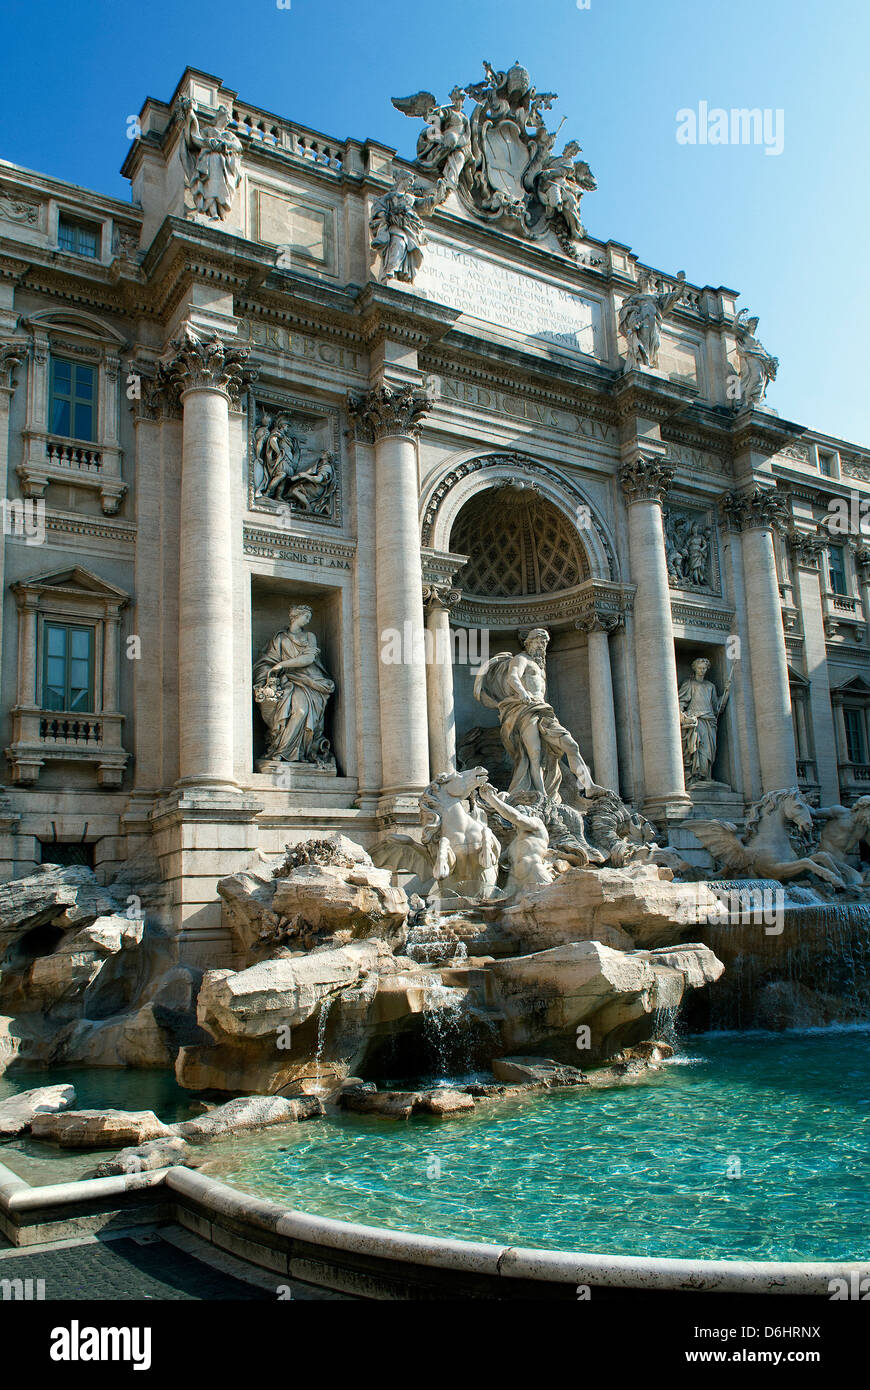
(761, 509)
(599, 621)
(646, 478)
(807, 547)
(861, 553)
(439, 595)
(12, 354)
(387, 410)
(206, 363)
(158, 393)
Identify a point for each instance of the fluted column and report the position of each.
(645, 481)
(605, 759)
(756, 513)
(207, 373)
(391, 418)
(438, 599)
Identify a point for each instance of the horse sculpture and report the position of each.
(457, 852)
(766, 850)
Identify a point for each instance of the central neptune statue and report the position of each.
(516, 686)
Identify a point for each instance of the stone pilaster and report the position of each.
(645, 479)
(391, 419)
(756, 513)
(806, 550)
(605, 757)
(208, 374)
(438, 599)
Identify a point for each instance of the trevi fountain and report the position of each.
(551, 966)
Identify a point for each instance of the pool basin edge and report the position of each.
(374, 1261)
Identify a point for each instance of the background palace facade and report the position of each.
(426, 405)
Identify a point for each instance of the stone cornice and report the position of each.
(387, 410)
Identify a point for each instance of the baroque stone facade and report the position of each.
(414, 405)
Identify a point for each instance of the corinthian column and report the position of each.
(756, 513)
(645, 481)
(391, 418)
(605, 762)
(438, 599)
(208, 375)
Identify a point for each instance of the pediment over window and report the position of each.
(74, 321)
(75, 585)
(856, 688)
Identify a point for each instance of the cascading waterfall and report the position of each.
(442, 1023)
(811, 969)
(322, 1019)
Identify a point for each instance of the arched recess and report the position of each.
(446, 496)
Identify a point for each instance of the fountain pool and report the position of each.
(751, 1146)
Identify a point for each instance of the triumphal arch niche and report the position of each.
(537, 554)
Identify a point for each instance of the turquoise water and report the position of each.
(750, 1146)
(114, 1088)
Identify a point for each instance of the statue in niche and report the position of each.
(700, 708)
(516, 686)
(212, 160)
(291, 690)
(397, 228)
(758, 367)
(640, 319)
(444, 145)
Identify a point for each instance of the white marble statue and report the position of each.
(843, 830)
(397, 228)
(444, 145)
(758, 367)
(640, 319)
(457, 852)
(765, 850)
(527, 856)
(700, 708)
(291, 689)
(516, 686)
(212, 158)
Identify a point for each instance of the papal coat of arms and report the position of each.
(500, 160)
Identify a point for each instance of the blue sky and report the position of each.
(789, 231)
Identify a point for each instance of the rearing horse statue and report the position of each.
(457, 852)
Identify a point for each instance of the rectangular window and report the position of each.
(81, 238)
(856, 746)
(837, 569)
(826, 464)
(71, 407)
(68, 668)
